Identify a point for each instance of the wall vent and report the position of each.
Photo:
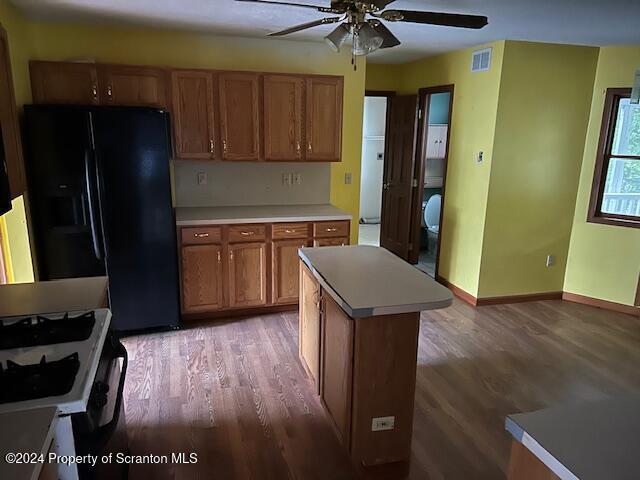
(481, 60)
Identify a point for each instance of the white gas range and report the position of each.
(66, 360)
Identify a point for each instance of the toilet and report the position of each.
(431, 215)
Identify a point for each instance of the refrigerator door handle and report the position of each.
(90, 199)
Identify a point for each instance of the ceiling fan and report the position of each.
(370, 34)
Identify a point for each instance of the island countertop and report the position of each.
(194, 216)
(367, 281)
(586, 441)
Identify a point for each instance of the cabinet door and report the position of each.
(239, 116)
(285, 275)
(9, 122)
(134, 86)
(324, 119)
(309, 327)
(247, 274)
(201, 278)
(283, 117)
(64, 82)
(331, 242)
(193, 118)
(337, 366)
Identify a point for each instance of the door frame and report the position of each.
(423, 126)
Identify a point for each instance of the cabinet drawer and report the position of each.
(195, 235)
(290, 230)
(331, 229)
(331, 242)
(246, 233)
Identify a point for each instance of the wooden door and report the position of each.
(10, 127)
(134, 86)
(193, 114)
(247, 274)
(399, 165)
(201, 278)
(240, 116)
(337, 366)
(283, 118)
(324, 119)
(285, 265)
(65, 83)
(309, 328)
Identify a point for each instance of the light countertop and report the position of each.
(586, 441)
(193, 216)
(26, 432)
(53, 296)
(366, 281)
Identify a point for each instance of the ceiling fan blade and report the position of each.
(382, 3)
(304, 26)
(435, 18)
(291, 4)
(388, 39)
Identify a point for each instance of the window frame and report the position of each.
(603, 156)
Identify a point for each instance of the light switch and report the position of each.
(379, 424)
(202, 178)
(347, 178)
(286, 179)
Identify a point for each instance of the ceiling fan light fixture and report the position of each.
(365, 40)
(336, 38)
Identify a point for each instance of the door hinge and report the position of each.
(415, 183)
(419, 114)
(410, 246)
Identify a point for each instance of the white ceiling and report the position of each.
(584, 22)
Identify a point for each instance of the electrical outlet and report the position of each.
(480, 158)
(551, 260)
(379, 424)
(202, 178)
(287, 179)
(297, 178)
(347, 178)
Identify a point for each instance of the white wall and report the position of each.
(375, 111)
(250, 183)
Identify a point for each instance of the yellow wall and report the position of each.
(604, 261)
(475, 104)
(382, 77)
(543, 110)
(16, 243)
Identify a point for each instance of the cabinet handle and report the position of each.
(332, 229)
(309, 147)
(231, 255)
(290, 230)
(201, 235)
(247, 233)
(94, 90)
(109, 91)
(298, 148)
(219, 257)
(224, 146)
(211, 146)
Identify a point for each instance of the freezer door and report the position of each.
(58, 159)
(132, 158)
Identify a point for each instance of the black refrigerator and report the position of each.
(100, 202)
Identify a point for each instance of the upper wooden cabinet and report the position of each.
(9, 122)
(324, 119)
(135, 86)
(64, 82)
(283, 117)
(240, 115)
(193, 114)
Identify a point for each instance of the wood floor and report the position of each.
(235, 393)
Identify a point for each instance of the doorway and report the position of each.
(432, 161)
(372, 166)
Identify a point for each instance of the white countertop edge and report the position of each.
(545, 457)
(231, 221)
(370, 312)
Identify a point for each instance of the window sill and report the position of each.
(618, 222)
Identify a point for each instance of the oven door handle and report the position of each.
(103, 434)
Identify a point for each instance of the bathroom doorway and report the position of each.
(434, 128)
(372, 165)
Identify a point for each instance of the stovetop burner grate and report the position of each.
(44, 379)
(39, 330)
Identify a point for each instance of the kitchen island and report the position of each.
(359, 324)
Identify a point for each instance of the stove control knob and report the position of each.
(98, 398)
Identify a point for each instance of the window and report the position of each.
(615, 196)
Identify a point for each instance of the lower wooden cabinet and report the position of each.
(309, 326)
(247, 274)
(239, 267)
(202, 277)
(331, 242)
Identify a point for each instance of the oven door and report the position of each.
(101, 430)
